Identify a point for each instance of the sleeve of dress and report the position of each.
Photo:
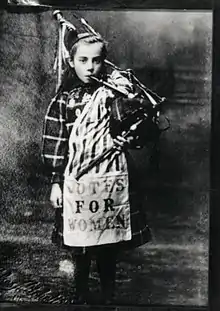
(121, 82)
(55, 138)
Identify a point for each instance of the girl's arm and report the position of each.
(55, 138)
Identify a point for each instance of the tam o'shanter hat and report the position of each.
(68, 37)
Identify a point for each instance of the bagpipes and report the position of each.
(131, 113)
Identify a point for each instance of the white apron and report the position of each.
(96, 208)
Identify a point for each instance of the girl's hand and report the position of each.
(121, 142)
(56, 196)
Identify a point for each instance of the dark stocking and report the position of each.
(106, 265)
(82, 268)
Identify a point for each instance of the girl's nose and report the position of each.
(90, 66)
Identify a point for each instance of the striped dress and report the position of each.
(68, 148)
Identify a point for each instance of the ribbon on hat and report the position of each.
(62, 55)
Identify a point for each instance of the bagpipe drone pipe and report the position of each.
(136, 113)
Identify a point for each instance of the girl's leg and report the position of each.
(106, 266)
(82, 267)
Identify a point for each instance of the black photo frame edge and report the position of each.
(214, 212)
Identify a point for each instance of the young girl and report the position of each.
(101, 212)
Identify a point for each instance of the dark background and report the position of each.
(123, 4)
(171, 53)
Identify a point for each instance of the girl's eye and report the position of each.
(82, 60)
(97, 60)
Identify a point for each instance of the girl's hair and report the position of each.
(87, 38)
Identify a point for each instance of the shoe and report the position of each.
(107, 298)
(79, 300)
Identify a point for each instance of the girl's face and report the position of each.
(88, 60)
